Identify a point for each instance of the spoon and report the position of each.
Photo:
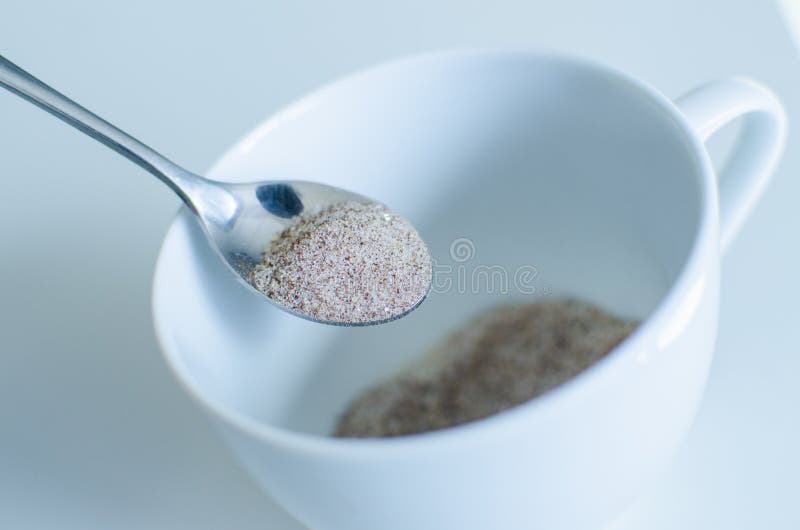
(240, 221)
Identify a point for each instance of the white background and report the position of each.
(93, 431)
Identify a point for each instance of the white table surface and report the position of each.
(93, 431)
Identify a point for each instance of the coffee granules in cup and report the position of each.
(502, 358)
(353, 262)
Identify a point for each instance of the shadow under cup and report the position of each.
(514, 164)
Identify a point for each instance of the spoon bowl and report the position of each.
(262, 211)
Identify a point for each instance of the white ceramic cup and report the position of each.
(588, 177)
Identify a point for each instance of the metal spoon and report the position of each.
(239, 220)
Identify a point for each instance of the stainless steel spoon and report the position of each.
(239, 220)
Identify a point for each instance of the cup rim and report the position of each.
(571, 389)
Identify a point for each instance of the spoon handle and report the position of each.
(192, 188)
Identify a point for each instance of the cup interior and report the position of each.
(505, 162)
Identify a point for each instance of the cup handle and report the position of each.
(756, 153)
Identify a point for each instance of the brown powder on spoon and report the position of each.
(354, 262)
(500, 359)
